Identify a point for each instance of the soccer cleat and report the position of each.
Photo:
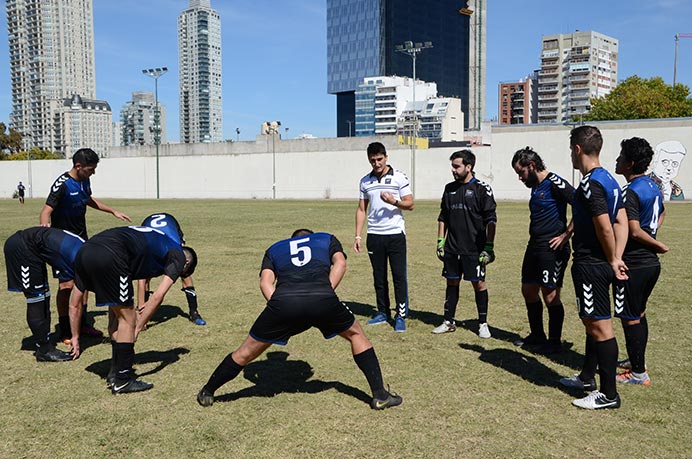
(630, 378)
(197, 318)
(597, 401)
(131, 385)
(380, 318)
(532, 340)
(52, 354)
(390, 401)
(484, 331)
(88, 330)
(627, 365)
(110, 378)
(446, 327)
(575, 382)
(549, 347)
(66, 341)
(205, 398)
(399, 324)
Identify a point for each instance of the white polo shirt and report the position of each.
(384, 218)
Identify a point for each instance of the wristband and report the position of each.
(440, 241)
(358, 238)
(488, 247)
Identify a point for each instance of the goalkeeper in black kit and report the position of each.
(466, 235)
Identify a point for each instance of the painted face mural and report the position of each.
(669, 157)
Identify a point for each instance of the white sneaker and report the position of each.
(484, 331)
(597, 401)
(446, 327)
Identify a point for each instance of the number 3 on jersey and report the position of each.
(300, 255)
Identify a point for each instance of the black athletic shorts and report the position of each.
(467, 265)
(592, 287)
(26, 272)
(632, 295)
(107, 275)
(544, 266)
(290, 316)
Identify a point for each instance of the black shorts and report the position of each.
(26, 272)
(544, 266)
(286, 317)
(592, 287)
(107, 275)
(467, 265)
(632, 295)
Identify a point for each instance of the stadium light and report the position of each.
(155, 74)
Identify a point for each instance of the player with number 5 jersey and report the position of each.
(298, 278)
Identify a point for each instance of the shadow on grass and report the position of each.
(525, 366)
(277, 375)
(164, 313)
(163, 358)
(361, 309)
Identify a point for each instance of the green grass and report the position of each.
(463, 396)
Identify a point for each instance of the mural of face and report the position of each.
(669, 157)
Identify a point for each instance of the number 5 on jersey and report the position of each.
(300, 255)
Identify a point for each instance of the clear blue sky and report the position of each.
(274, 52)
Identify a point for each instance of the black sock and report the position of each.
(124, 359)
(482, 306)
(370, 366)
(226, 371)
(588, 371)
(534, 311)
(38, 319)
(635, 344)
(451, 301)
(556, 317)
(65, 331)
(191, 296)
(113, 359)
(645, 327)
(607, 361)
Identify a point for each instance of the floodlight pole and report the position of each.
(155, 74)
(413, 49)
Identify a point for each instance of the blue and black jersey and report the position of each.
(548, 206)
(68, 198)
(643, 202)
(598, 193)
(167, 224)
(466, 209)
(302, 265)
(146, 251)
(54, 246)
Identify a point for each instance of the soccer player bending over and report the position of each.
(298, 278)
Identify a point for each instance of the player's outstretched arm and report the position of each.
(147, 310)
(98, 205)
(360, 221)
(75, 313)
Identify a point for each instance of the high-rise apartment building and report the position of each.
(137, 120)
(362, 36)
(51, 44)
(79, 123)
(517, 101)
(575, 68)
(199, 74)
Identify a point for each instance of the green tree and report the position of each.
(35, 153)
(10, 141)
(640, 98)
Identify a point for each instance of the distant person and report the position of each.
(106, 265)
(384, 193)
(548, 250)
(600, 227)
(466, 239)
(169, 225)
(65, 208)
(20, 193)
(26, 254)
(645, 213)
(298, 278)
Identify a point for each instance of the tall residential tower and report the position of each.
(362, 36)
(199, 74)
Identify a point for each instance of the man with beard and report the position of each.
(547, 252)
(465, 242)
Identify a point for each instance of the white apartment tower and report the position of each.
(51, 44)
(575, 68)
(137, 120)
(199, 74)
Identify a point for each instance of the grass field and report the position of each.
(463, 396)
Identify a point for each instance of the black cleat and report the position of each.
(52, 354)
(132, 385)
(531, 340)
(205, 398)
(197, 318)
(549, 348)
(110, 378)
(390, 401)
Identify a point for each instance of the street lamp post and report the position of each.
(237, 134)
(155, 74)
(413, 50)
(349, 127)
(273, 129)
(678, 36)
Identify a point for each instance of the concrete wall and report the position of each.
(329, 168)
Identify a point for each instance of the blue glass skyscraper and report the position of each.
(362, 36)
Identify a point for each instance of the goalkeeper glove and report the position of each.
(487, 256)
(441, 248)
